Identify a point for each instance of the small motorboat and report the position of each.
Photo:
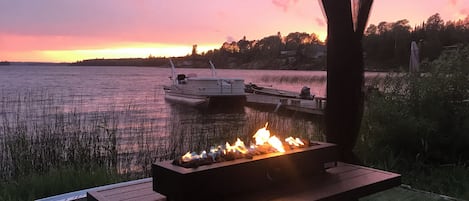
(196, 91)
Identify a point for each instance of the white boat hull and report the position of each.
(207, 91)
(188, 100)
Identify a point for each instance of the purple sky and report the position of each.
(64, 30)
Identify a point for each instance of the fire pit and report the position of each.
(231, 169)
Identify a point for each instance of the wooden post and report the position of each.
(345, 74)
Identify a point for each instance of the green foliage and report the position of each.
(387, 45)
(420, 121)
(56, 181)
(423, 116)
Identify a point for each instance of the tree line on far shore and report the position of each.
(386, 47)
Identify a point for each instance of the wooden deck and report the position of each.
(344, 182)
(141, 191)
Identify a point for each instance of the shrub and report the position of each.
(419, 124)
(421, 117)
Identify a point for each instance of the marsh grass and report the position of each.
(293, 79)
(374, 79)
(49, 145)
(37, 135)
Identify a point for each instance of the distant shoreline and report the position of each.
(127, 62)
(20, 63)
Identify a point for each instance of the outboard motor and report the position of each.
(181, 78)
(306, 93)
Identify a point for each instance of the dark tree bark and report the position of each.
(345, 74)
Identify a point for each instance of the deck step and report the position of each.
(140, 191)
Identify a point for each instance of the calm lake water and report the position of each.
(136, 95)
(91, 89)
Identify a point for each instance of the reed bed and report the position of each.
(38, 135)
(293, 78)
(42, 131)
(301, 79)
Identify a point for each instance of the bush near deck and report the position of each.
(419, 125)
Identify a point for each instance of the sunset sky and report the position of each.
(71, 30)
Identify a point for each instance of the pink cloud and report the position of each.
(320, 22)
(284, 4)
(453, 2)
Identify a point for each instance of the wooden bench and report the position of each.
(343, 182)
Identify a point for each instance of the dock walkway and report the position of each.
(315, 106)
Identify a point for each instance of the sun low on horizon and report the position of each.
(70, 31)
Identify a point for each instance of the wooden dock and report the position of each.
(315, 106)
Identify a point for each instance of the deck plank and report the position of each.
(344, 182)
(133, 192)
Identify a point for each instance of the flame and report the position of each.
(263, 141)
(187, 157)
(238, 146)
(294, 141)
(262, 136)
(276, 143)
(193, 156)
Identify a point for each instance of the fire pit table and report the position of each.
(245, 175)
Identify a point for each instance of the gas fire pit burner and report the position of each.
(233, 169)
(219, 154)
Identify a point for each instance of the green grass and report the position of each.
(56, 181)
(451, 180)
(445, 179)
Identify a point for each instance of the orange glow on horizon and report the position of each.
(125, 50)
(142, 51)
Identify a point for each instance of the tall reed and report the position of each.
(41, 131)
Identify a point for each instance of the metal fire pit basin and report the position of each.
(219, 180)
